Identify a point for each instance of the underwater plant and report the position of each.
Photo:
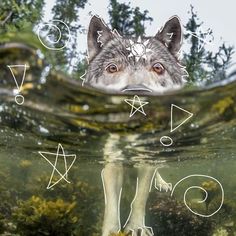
(2, 225)
(212, 189)
(38, 216)
(225, 108)
(171, 217)
(89, 201)
(8, 195)
(120, 234)
(24, 166)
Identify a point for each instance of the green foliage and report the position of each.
(73, 206)
(20, 13)
(2, 225)
(7, 195)
(139, 20)
(127, 20)
(213, 191)
(80, 68)
(225, 108)
(88, 207)
(37, 216)
(68, 12)
(19, 16)
(201, 64)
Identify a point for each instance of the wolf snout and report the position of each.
(136, 87)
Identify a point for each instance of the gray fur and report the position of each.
(105, 47)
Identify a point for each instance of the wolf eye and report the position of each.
(112, 68)
(158, 68)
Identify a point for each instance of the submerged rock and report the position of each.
(172, 218)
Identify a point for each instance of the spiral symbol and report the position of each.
(47, 37)
(205, 192)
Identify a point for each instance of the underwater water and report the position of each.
(98, 135)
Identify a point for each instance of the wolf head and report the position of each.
(118, 63)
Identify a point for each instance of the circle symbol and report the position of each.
(166, 141)
(47, 32)
(19, 99)
(138, 49)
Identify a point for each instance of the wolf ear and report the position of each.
(98, 35)
(171, 35)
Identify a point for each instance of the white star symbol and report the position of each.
(60, 153)
(138, 49)
(134, 108)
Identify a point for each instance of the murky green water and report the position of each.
(96, 127)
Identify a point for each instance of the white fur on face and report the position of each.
(141, 78)
(132, 72)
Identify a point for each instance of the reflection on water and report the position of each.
(119, 158)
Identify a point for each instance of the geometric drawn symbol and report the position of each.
(180, 54)
(139, 107)
(205, 38)
(99, 32)
(46, 33)
(138, 49)
(202, 189)
(18, 98)
(167, 187)
(163, 185)
(82, 77)
(60, 153)
(179, 108)
(166, 141)
(170, 36)
(186, 74)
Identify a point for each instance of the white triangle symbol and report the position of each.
(171, 117)
(13, 75)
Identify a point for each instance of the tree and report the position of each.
(201, 64)
(127, 20)
(20, 13)
(139, 20)
(119, 14)
(68, 12)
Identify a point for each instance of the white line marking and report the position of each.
(51, 25)
(57, 154)
(171, 117)
(206, 194)
(166, 144)
(137, 89)
(134, 109)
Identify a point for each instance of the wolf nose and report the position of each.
(136, 87)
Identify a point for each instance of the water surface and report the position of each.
(98, 129)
